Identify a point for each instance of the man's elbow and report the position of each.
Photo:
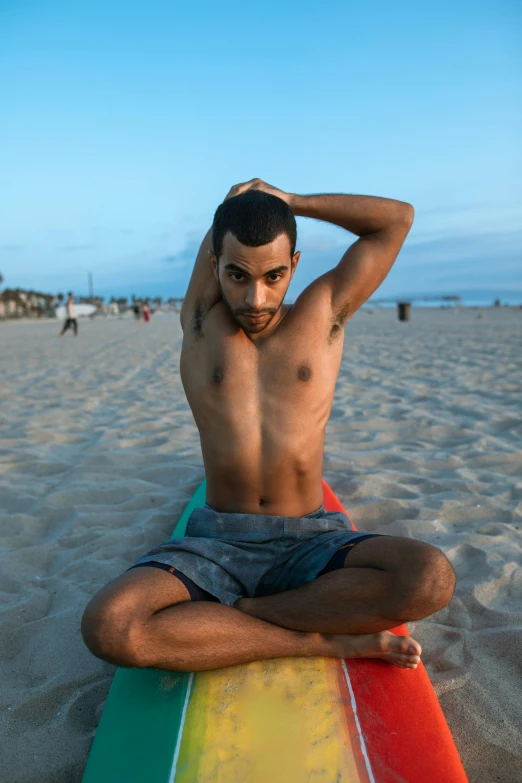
(407, 213)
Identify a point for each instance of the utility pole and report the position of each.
(91, 288)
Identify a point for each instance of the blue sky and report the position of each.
(125, 124)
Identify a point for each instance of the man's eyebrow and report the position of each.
(276, 270)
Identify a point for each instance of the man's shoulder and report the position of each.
(312, 308)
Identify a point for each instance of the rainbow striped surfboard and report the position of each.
(290, 720)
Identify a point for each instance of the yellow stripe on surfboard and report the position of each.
(282, 721)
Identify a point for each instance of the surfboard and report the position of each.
(80, 311)
(289, 720)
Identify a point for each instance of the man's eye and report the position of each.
(236, 276)
(274, 278)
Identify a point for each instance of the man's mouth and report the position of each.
(255, 319)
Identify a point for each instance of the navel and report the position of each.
(304, 373)
(217, 375)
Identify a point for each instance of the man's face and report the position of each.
(254, 280)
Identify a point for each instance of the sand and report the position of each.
(99, 454)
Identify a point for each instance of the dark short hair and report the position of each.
(255, 218)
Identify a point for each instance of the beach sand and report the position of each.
(99, 454)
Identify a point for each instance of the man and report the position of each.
(264, 571)
(70, 321)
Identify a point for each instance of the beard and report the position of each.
(271, 312)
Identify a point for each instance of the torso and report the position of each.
(261, 408)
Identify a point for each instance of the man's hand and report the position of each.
(258, 184)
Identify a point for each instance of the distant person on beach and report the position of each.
(71, 321)
(264, 571)
(136, 309)
(146, 313)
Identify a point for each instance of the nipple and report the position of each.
(304, 373)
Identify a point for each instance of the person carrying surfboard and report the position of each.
(71, 322)
(264, 571)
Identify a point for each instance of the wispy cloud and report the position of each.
(76, 248)
(493, 246)
(451, 209)
(11, 248)
(179, 260)
(185, 257)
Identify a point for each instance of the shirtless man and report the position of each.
(70, 321)
(263, 571)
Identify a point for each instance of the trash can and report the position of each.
(403, 311)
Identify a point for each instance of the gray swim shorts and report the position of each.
(226, 557)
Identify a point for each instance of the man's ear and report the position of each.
(214, 262)
(295, 261)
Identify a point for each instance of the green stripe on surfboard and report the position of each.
(136, 740)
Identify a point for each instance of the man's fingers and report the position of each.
(241, 187)
(246, 186)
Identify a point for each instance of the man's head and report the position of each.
(70, 296)
(254, 236)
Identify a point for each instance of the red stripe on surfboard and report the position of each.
(404, 729)
(331, 502)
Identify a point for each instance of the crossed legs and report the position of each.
(145, 618)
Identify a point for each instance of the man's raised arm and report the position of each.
(381, 224)
(203, 289)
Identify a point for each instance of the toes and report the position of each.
(404, 662)
(409, 646)
(407, 658)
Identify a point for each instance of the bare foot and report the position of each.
(400, 650)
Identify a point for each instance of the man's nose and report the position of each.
(256, 298)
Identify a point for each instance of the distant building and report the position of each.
(16, 303)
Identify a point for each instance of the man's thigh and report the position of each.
(140, 592)
(390, 553)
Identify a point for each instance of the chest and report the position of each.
(230, 365)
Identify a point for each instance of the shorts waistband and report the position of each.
(317, 513)
(209, 523)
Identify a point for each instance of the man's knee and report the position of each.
(423, 586)
(108, 630)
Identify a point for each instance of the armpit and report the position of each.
(198, 317)
(339, 319)
(341, 316)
